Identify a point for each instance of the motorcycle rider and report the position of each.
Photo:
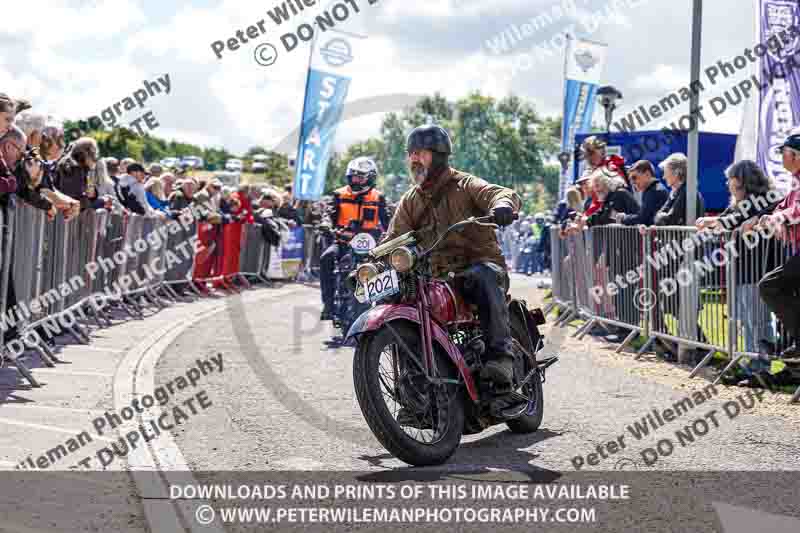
(442, 197)
(356, 207)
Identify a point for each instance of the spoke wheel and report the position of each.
(530, 420)
(416, 420)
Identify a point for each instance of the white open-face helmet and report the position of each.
(361, 173)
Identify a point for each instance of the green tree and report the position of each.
(393, 135)
(503, 141)
(278, 168)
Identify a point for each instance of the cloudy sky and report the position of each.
(74, 58)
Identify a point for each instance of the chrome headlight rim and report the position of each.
(366, 272)
(409, 256)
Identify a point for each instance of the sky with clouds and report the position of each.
(74, 58)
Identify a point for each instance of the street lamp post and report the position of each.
(688, 316)
(608, 97)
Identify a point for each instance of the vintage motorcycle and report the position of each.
(419, 355)
(356, 246)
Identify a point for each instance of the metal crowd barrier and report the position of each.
(57, 275)
(555, 253)
(688, 281)
(749, 317)
(254, 258)
(585, 262)
(178, 245)
(696, 289)
(312, 250)
(564, 290)
(7, 219)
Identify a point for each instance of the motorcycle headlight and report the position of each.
(402, 259)
(366, 272)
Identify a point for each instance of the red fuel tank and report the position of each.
(446, 306)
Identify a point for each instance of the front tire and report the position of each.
(370, 378)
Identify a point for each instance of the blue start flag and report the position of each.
(326, 91)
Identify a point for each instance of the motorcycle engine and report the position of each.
(472, 346)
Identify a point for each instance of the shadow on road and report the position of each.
(498, 457)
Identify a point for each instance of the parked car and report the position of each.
(192, 161)
(170, 162)
(234, 165)
(258, 167)
(230, 179)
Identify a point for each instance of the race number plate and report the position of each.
(362, 243)
(383, 285)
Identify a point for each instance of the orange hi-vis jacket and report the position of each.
(369, 208)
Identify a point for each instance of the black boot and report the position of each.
(499, 370)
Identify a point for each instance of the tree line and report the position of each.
(504, 141)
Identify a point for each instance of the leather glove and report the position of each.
(503, 215)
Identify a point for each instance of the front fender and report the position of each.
(376, 317)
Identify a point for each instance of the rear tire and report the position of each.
(384, 425)
(529, 421)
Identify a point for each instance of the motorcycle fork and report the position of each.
(424, 308)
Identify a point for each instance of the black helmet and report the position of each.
(429, 137)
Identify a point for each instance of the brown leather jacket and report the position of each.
(460, 196)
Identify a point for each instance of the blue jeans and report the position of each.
(327, 279)
(754, 317)
(528, 263)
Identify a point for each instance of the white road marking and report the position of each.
(51, 407)
(134, 377)
(55, 429)
(58, 371)
(91, 348)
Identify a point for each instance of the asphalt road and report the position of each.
(285, 401)
(283, 409)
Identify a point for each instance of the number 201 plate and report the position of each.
(383, 285)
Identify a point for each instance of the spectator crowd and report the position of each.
(768, 282)
(38, 168)
(526, 244)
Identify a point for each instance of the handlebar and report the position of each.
(485, 221)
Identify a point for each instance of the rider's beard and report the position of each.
(418, 172)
